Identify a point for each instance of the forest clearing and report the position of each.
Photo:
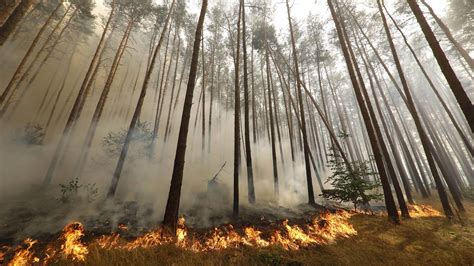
(243, 132)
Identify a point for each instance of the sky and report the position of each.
(301, 8)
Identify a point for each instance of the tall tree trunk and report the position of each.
(79, 100)
(40, 51)
(61, 89)
(160, 94)
(414, 173)
(211, 90)
(276, 108)
(375, 124)
(203, 122)
(25, 58)
(448, 34)
(395, 152)
(309, 180)
(389, 201)
(237, 129)
(254, 111)
(248, 157)
(138, 109)
(265, 105)
(411, 105)
(432, 86)
(96, 117)
(167, 127)
(172, 204)
(332, 134)
(272, 128)
(453, 81)
(288, 113)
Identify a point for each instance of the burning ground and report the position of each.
(309, 236)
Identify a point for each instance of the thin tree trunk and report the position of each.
(160, 94)
(33, 61)
(237, 129)
(453, 81)
(77, 103)
(448, 34)
(254, 112)
(203, 122)
(309, 180)
(378, 132)
(138, 109)
(167, 127)
(25, 58)
(272, 129)
(248, 157)
(211, 90)
(411, 105)
(432, 86)
(276, 108)
(389, 201)
(102, 100)
(172, 204)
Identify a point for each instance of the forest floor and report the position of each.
(432, 240)
(416, 241)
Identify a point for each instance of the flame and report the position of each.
(252, 238)
(423, 211)
(108, 242)
(181, 233)
(323, 229)
(23, 256)
(72, 246)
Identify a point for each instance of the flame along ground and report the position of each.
(323, 229)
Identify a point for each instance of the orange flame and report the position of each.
(423, 211)
(72, 246)
(322, 230)
(24, 256)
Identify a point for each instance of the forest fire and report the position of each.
(423, 211)
(24, 255)
(328, 120)
(323, 229)
(72, 247)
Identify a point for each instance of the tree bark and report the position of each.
(389, 201)
(448, 34)
(309, 180)
(248, 157)
(411, 105)
(138, 109)
(172, 204)
(25, 58)
(453, 81)
(76, 106)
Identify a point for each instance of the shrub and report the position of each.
(32, 134)
(351, 182)
(114, 141)
(74, 191)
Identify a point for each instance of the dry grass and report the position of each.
(420, 241)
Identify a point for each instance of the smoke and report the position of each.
(28, 208)
(145, 179)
